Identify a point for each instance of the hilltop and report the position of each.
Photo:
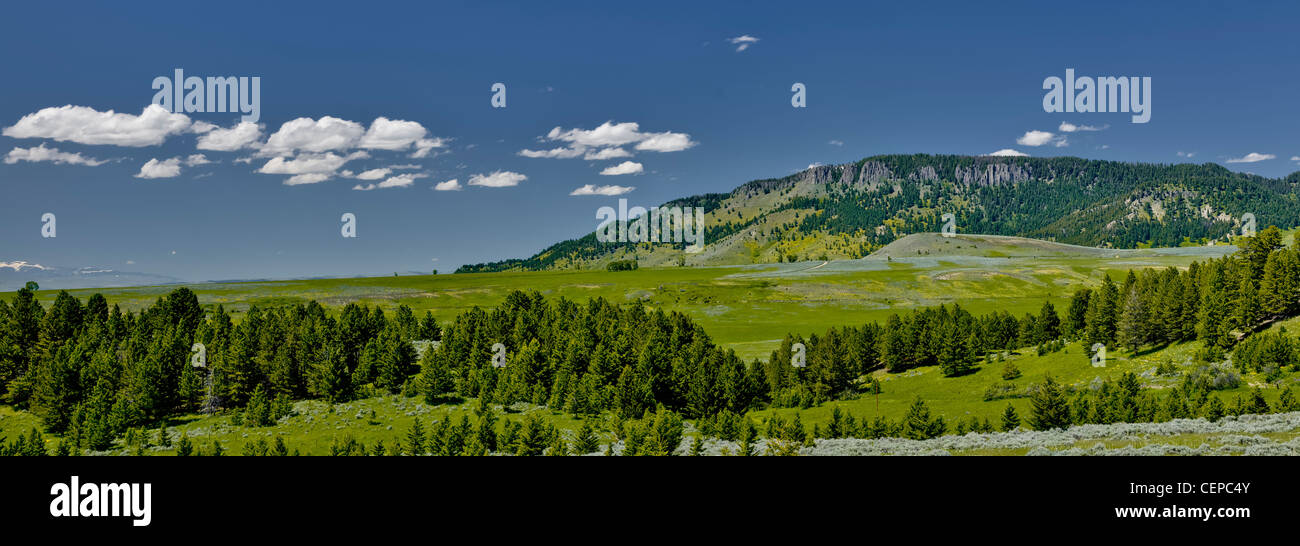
(850, 210)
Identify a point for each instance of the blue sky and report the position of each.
(941, 77)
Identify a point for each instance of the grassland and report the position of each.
(746, 308)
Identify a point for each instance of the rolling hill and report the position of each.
(849, 211)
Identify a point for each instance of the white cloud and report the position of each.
(308, 178)
(1008, 152)
(607, 153)
(497, 179)
(425, 145)
(743, 42)
(195, 160)
(602, 190)
(373, 174)
(1035, 138)
(201, 127)
(309, 135)
(1067, 127)
(1061, 142)
(626, 167)
(41, 153)
(609, 137)
(554, 153)
(401, 180)
(85, 125)
(606, 134)
(392, 134)
(19, 264)
(666, 142)
(450, 185)
(1252, 157)
(365, 187)
(1295, 158)
(1185, 154)
(836, 143)
(167, 168)
(243, 135)
(404, 167)
(812, 165)
(309, 163)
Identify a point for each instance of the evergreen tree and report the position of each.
(919, 425)
(1010, 419)
(415, 442)
(1049, 409)
(586, 440)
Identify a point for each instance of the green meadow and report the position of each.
(745, 308)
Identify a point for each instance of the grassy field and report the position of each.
(746, 308)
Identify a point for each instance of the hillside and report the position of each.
(854, 209)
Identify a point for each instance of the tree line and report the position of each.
(92, 372)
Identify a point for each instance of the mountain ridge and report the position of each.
(852, 209)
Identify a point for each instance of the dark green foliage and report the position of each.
(1049, 407)
(621, 265)
(1010, 419)
(919, 425)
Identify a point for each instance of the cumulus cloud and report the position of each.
(602, 190)
(1008, 152)
(665, 142)
(607, 153)
(1252, 157)
(563, 152)
(195, 160)
(626, 167)
(497, 179)
(426, 145)
(53, 155)
(1067, 127)
(606, 142)
(606, 134)
(374, 174)
(450, 185)
(167, 168)
(308, 178)
(309, 163)
(85, 125)
(310, 135)
(245, 134)
(1035, 138)
(1295, 158)
(401, 181)
(743, 42)
(392, 134)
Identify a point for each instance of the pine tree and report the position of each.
(1010, 419)
(586, 440)
(697, 446)
(748, 435)
(1135, 321)
(1049, 409)
(415, 442)
(1214, 409)
(919, 425)
(184, 448)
